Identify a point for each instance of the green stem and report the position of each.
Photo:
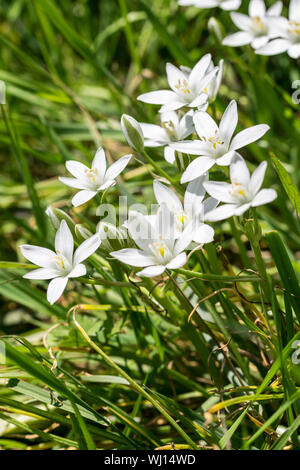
(136, 386)
(217, 277)
(160, 171)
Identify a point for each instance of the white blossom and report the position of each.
(61, 264)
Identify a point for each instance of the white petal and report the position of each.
(72, 182)
(99, 162)
(226, 159)
(197, 168)
(194, 193)
(155, 133)
(259, 42)
(206, 80)
(277, 46)
(82, 197)
(204, 234)
(56, 288)
(199, 70)
(86, 249)
(222, 212)
(241, 209)
(264, 197)
(238, 39)
(177, 262)
(241, 21)
(169, 154)
(239, 172)
(133, 257)
(257, 178)
(141, 229)
(175, 76)
(106, 185)
(79, 270)
(158, 97)
(165, 223)
(165, 194)
(64, 242)
(247, 136)
(184, 240)
(116, 168)
(230, 5)
(228, 122)
(193, 147)
(219, 190)
(186, 125)
(257, 8)
(294, 10)
(294, 51)
(173, 105)
(42, 273)
(38, 255)
(205, 125)
(200, 101)
(208, 205)
(275, 10)
(151, 271)
(77, 169)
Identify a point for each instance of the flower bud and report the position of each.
(133, 133)
(216, 28)
(82, 233)
(57, 215)
(112, 238)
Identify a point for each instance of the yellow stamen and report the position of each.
(257, 24)
(92, 173)
(182, 85)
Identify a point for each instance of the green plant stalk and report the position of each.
(217, 277)
(160, 171)
(136, 386)
(129, 36)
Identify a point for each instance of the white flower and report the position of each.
(257, 28)
(158, 248)
(288, 32)
(94, 179)
(188, 87)
(192, 212)
(242, 193)
(61, 264)
(224, 4)
(216, 144)
(172, 129)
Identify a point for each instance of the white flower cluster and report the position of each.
(266, 30)
(161, 240)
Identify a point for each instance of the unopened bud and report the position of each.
(112, 238)
(82, 233)
(57, 215)
(132, 132)
(216, 28)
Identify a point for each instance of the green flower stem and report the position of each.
(253, 232)
(106, 282)
(160, 171)
(135, 385)
(217, 277)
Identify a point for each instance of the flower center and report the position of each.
(92, 174)
(60, 261)
(238, 190)
(159, 249)
(257, 24)
(214, 140)
(181, 218)
(182, 85)
(169, 127)
(294, 29)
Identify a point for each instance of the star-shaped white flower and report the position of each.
(288, 32)
(172, 129)
(94, 179)
(192, 213)
(158, 248)
(242, 193)
(216, 144)
(61, 264)
(257, 28)
(188, 87)
(227, 5)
